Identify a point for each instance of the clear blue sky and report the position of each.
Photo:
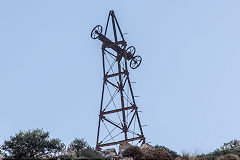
(188, 83)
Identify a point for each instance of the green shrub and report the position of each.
(32, 144)
(55, 158)
(80, 148)
(231, 145)
(77, 146)
(90, 153)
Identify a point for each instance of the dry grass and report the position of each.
(158, 153)
(229, 157)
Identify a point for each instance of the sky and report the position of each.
(188, 82)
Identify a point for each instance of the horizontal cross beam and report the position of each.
(115, 74)
(118, 110)
(118, 142)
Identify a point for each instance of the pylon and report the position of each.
(118, 119)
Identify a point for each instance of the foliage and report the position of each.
(53, 158)
(77, 146)
(133, 151)
(230, 145)
(90, 153)
(156, 153)
(80, 148)
(36, 144)
(32, 144)
(185, 155)
(172, 153)
(219, 153)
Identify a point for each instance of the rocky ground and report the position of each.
(129, 152)
(146, 151)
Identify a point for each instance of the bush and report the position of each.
(157, 153)
(77, 146)
(32, 144)
(80, 149)
(230, 145)
(172, 153)
(133, 151)
(90, 153)
(66, 158)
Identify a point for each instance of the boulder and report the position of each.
(110, 153)
(146, 146)
(126, 158)
(150, 152)
(123, 146)
(229, 157)
(133, 152)
(147, 150)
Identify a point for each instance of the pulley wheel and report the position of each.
(120, 45)
(131, 50)
(96, 31)
(135, 62)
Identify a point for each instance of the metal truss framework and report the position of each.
(118, 110)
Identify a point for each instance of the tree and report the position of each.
(77, 146)
(80, 148)
(32, 144)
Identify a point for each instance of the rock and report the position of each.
(123, 146)
(146, 146)
(147, 149)
(101, 153)
(110, 153)
(150, 152)
(229, 157)
(126, 158)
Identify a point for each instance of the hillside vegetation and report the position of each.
(37, 144)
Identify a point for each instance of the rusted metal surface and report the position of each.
(117, 94)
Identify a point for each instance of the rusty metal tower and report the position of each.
(118, 119)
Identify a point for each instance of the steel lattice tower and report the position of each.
(118, 119)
